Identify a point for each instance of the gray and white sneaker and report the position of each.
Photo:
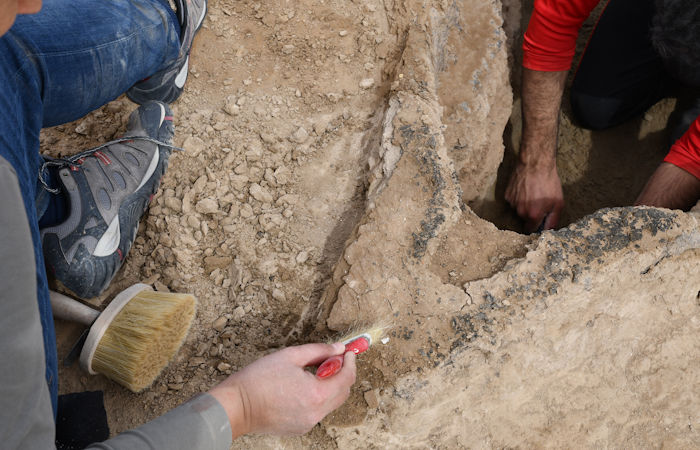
(167, 84)
(108, 189)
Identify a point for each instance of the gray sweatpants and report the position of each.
(26, 417)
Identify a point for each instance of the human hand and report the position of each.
(276, 395)
(10, 9)
(536, 194)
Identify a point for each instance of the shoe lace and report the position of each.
(76, 160)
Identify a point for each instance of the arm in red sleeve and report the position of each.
(685, 153)
(550, 40)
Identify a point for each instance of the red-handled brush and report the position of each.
(358, 343)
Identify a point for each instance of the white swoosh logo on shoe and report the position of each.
(109, 242)
(182, 75)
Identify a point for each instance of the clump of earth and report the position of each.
(344, 164)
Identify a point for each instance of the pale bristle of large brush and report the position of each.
(143, 337)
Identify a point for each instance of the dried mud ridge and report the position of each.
(428, 166)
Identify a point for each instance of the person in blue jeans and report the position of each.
(78, 216)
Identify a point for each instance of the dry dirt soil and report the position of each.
(341, 166)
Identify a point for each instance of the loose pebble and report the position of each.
(300, 136)
(278, 295)
(196, 361)
(174, 203)
(193, 146)
(371, 399)
(302, 257)
(193, 222)
(207, 206)
(220, 323)
(260, 194)
(238, 313)
(367, 83)
(217, 262)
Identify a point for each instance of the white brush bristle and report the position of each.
(373, 332)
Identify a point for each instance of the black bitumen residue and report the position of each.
(614, 229)
(403, 332)
(433, 354)
(422, 144)
(428, 228)
(490, 303)
(589, 240)
(466, 328)
(570, 254)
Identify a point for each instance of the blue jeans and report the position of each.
(58, 65)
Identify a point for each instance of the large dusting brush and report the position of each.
(135, 337)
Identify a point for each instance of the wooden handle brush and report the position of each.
(135, 337)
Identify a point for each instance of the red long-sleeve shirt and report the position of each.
(550, 44)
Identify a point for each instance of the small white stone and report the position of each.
(223, 367)
(232, 108)
(246, 211)
(299, 136)
(302, 257)
(260, 194)
(193, 222)
(238, 313)
(238, 182)
(174, 203)
(200, 184)
(385, 340)
(82, 127)
(220, 323)
(367, 83)
(193, 145)
(321, 125)
(207, 206)
(282, 175)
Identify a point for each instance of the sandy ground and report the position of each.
(280, 105)
(333, 149)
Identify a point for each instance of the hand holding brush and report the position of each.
(275, 394)
(357, 343)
